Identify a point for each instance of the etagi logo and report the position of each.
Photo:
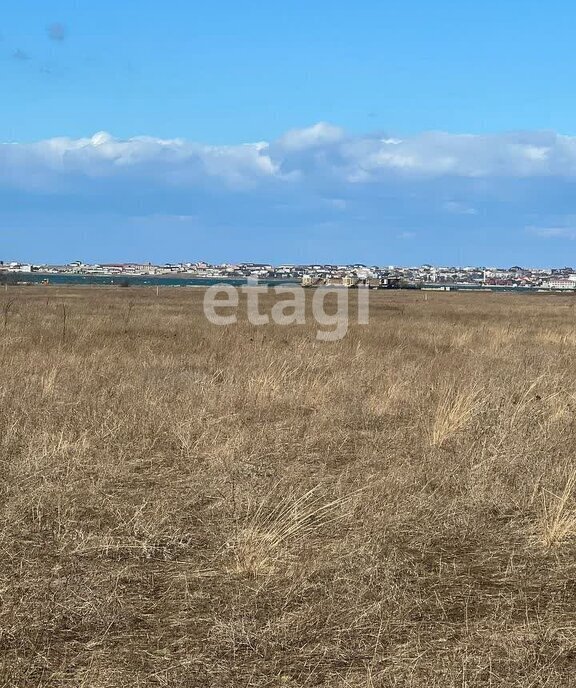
(289, 307)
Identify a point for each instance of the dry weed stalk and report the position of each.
(6, 308)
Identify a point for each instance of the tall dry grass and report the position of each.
(559, 513)
(457, 406)
(187, 505)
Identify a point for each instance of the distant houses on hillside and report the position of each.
(346, 275)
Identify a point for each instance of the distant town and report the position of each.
(353, 275)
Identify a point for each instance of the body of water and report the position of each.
(139, 280)
(180, 281)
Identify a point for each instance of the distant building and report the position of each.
(563, 283)
(308, 280)
(19, 267)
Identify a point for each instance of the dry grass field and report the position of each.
(189, 505)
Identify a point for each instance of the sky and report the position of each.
(376, 132)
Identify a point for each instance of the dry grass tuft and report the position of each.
(278, 521)
(455, 410)
(558, 520)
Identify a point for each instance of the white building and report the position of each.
(19, 267)
(563, 283)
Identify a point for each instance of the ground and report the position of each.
(189, 505)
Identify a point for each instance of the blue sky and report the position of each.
(383, 132)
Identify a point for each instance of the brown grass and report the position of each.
(188, 505)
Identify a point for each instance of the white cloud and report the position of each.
(457, 208)
(316, 154)
(554, 232)
(316, 135)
